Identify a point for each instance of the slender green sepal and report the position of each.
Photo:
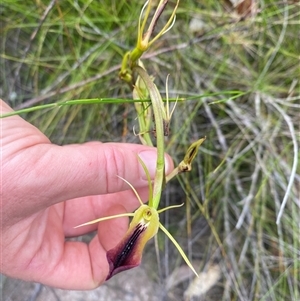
(94, 221)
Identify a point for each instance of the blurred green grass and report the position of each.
(241, 80)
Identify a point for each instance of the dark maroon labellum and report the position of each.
(123, 257)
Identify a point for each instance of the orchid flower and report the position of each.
(145, 223)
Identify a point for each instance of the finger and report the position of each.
(85, 267)
(81, 267)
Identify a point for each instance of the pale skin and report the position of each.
(47, 190)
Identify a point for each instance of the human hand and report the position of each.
(48, 189)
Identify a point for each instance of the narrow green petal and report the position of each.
(169, 207)
(178, 248)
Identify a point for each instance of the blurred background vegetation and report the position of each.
(237, 69)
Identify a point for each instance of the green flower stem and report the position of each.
(157, 105)
(136, 54)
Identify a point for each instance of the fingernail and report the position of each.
(149, 158)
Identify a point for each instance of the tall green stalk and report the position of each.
(157, 105)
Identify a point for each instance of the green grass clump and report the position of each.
(239, 78)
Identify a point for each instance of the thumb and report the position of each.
(39, 174)
(93, 168)
(58, 173)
